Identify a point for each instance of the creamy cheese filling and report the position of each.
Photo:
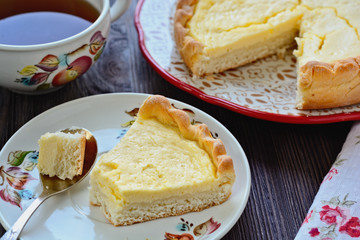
(329, 29)
(326, 37)
(153, 161)
(215, 23)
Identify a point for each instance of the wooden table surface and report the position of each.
(287, 162)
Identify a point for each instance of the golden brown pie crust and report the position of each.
(188, 47)
(159, 107)
(328, 85)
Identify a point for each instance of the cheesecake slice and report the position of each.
(62, 154)
(213, 36)
(163, 166)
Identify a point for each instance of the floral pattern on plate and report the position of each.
(201, 231)
(14, 178)
(267, 85)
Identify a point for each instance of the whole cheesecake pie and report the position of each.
(215, 35)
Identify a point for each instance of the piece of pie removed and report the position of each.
(62, 154)
(163, 166)
(216, 35)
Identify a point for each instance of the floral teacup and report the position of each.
(42, 68)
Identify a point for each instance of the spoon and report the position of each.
(54, 185)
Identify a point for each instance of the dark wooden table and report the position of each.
(287, 162)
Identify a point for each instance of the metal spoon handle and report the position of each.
(54, 185)
(14, 232)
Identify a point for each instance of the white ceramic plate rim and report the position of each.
(118, 96)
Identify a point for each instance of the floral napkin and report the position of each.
(335, 212)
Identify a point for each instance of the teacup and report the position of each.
(45, 67)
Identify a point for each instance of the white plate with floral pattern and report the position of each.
(69, 215)
(265, 89)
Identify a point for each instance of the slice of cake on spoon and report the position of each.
(163, 166)
(62, 153)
